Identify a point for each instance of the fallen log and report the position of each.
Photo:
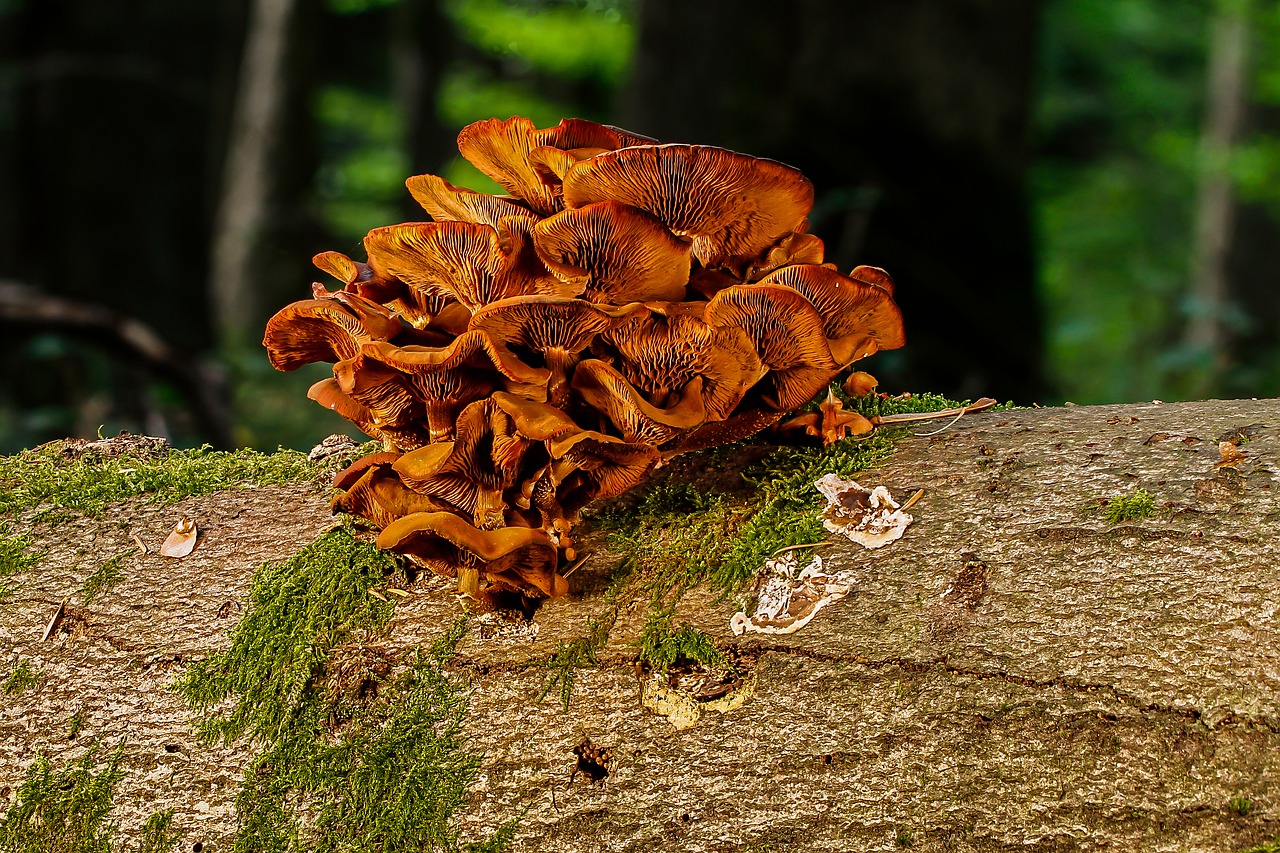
(1046, 660)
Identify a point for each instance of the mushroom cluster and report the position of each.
(520, 356)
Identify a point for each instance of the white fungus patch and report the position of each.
(870, 517)
(786, 600)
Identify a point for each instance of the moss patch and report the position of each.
(15, 556)
(379, 765)
(65, 810)
(46, 479)
(21, 679)
(103, 578)
(661, 645)
(1132, 507)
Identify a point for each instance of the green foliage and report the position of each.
(15, 556)
(1132, 507)
(385, 774)
(1240, 805)
(1272, 846)
(103, 578)
(21, 679)
(561, 39)
(63, 811)
(88, 485)
(661, 646)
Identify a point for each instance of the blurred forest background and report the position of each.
(1079, 199)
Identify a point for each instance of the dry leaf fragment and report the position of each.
(53, 620)
(182, 540)
(1231, 455)
(870, 517)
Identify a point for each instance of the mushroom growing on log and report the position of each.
(520, 356)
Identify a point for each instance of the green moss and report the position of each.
(575, 654)
(1132, 507)
(383, 773)
(21, 679)
(1272, 846)
(74, 724)
(15, 556)
(43, 478)
(661, 645)
(158, 836)
(1240, 805)
(103, 578)
(63, 811)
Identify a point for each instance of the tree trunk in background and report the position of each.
(910, 118)
(421, 45)
(249, 211)
(1208, 333)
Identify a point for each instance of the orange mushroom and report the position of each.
(325, 330)
(607, 391)
(858, 318)
(445, 202)
(731, 205)
(519, 558)
(789, 336)
(474, 264)
(610, 252)
(549, 330)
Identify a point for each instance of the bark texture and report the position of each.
(1014, 674)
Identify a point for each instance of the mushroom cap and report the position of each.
(831, 422)
(574, 133)
(522, 557)
(610, 465)
(348, 476)
(359, 278)
(860, 384)
(542, 323)
(474, 264)
(614, 253)
(378, 496)
(445, 202)
(466, 351)
(607, 391)
(535, 420)
(797, 247)
(729, 203)
(500, 149)
(858, 318)
(788, 334)
(325, 330)
(873, 275)
(659, 352)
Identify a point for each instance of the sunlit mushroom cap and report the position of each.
(500, 148)
(614, 253)
(329, 330)
(858, 318)
(359, 278)
(474, 264)
(445, 202)
(788, 334)
(730, 204)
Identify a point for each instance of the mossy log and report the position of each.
(1016, 673)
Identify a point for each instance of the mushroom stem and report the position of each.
(561, 363)
(440, 420)
(468, 581)
(490, 509)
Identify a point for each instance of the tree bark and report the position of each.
(1013, 674)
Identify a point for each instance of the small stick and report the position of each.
(984, 403)
(575, 565)
(948, 426)
(911, 501)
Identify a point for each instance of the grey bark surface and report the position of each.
(1013, 674)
